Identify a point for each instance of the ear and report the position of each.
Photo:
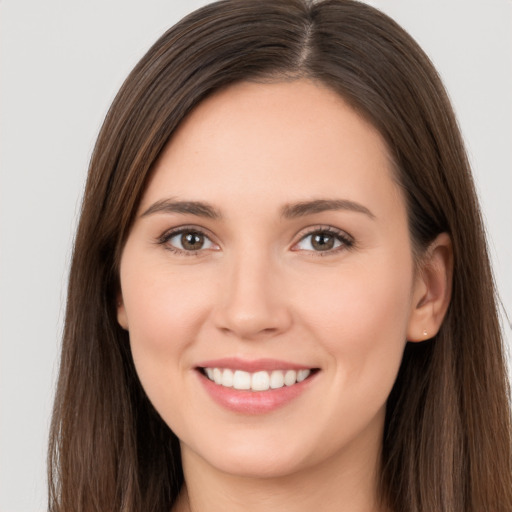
(432, 290)
(122, 317)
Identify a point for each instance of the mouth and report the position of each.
(261, 380)
(255, 386)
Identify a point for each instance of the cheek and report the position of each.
(165, 311)
(162, 302)
(361, 319)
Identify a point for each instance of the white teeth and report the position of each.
(276, 379)
(257, 381)
(260, 381)
(302, 375)
(227, 378)
(242, 380)
(290, 377)
(217, 376)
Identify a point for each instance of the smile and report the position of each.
(255, 386)
(255, 381)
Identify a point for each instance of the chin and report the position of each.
(251, 460)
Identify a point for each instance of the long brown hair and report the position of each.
(447, 439)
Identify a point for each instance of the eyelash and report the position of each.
(168, 235)
(346, 242)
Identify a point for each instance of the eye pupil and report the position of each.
(192, 241)
(322, 241)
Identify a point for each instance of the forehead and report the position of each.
(285, 141)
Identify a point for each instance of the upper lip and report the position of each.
(253, 365)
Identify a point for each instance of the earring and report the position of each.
(425, 333)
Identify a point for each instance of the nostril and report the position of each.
(258, 324)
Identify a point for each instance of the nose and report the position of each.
(253, 302)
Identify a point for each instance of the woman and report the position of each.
(279, 200)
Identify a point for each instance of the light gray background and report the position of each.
(62, 62)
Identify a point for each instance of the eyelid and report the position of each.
(347, 241)
(167, 235)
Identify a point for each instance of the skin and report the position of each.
(259, 289)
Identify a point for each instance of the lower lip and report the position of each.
(254, 402)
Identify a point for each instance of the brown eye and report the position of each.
(192, 241)
(322, 241)
(188, 241)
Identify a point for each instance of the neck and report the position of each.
(346, 482)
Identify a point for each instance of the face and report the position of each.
(271, 252)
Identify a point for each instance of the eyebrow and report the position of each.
(289, 211)
(295, 210)
(199, 208)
